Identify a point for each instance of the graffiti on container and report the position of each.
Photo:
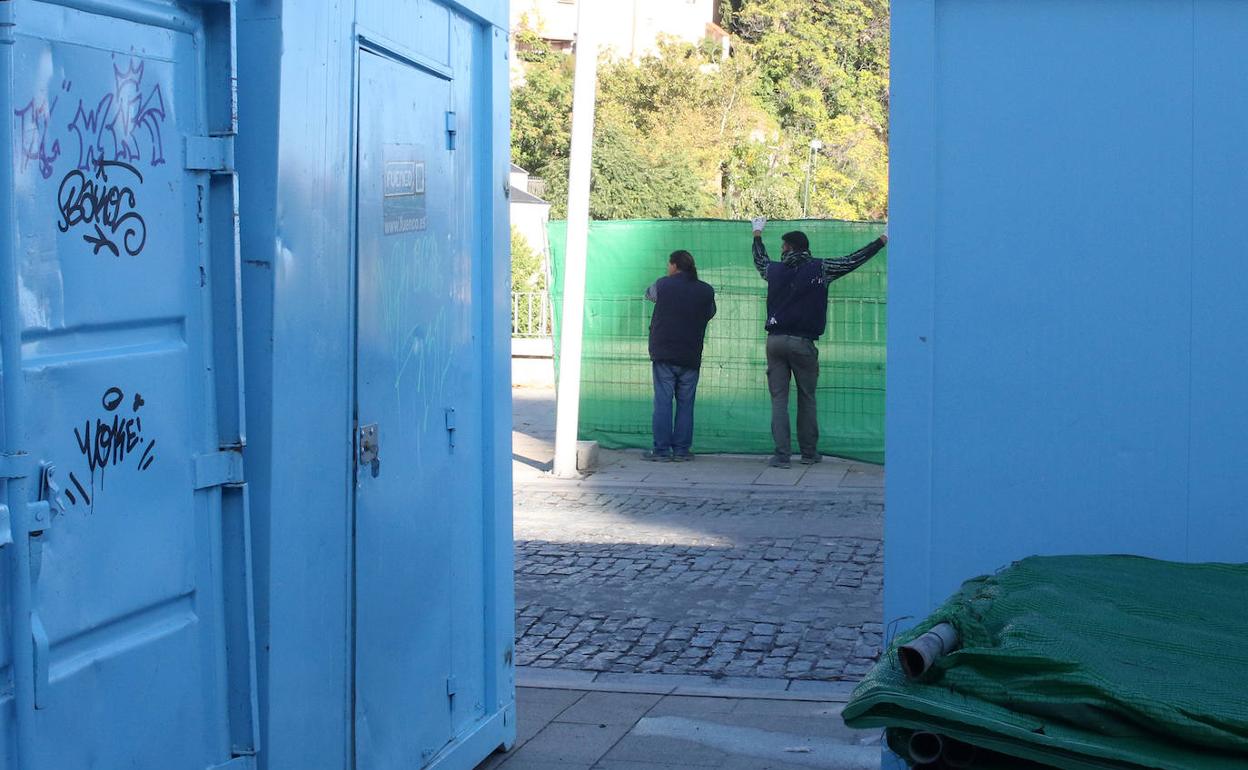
(421, 327)
(124, 122)
(112, 129)
(118, 128)
(106, 202)
(108, 441)
(34, 120)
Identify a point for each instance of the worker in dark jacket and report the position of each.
(797, 313)
(683, 306)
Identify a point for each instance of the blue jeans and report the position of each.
(681, 383)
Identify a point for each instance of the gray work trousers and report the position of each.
(795, 357)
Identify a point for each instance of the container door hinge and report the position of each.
(237, 763)
(450, 130)
(452, 686)
(6, 533)
(210, 153)
(217, 469)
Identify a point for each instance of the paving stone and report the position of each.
(624, 598)
(757, 643)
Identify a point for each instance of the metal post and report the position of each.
(815, 146)
(16, 462)
(584, 90)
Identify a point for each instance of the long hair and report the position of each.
(683, 261)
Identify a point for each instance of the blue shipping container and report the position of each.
(373, 158)
(126, 596)
(332, 587)
(1066, 368)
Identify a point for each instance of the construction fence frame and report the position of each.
(733, 412)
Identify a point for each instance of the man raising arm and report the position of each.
(797, 313)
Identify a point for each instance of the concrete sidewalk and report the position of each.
(711, 614)
(651, 725)
(533, 452)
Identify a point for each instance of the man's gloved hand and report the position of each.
(759, 223)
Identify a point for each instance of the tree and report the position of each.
(682, 133)
(528, 271)
(819, 60)
(824, 71)
(630, 181)
(541, 107)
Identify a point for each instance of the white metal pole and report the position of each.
(584, 90)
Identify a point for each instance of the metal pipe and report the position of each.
(958, 754)
(810, 163)
(918, 656)
(925, 748)
(815, 147)
(139, 11)
(584, 90)
(18, 462)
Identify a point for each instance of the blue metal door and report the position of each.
(419, 526)
(127, 618)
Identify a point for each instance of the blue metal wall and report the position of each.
(361, 618)
(1066, 368)
(126, 596)
(300, 105)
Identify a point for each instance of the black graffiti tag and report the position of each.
(109, 205)
(107, 442)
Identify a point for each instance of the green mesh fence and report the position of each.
(733, 412)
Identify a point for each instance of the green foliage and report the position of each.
(682, 133)
(541, 108)
(819, 60)
(630, 179)
(528, 272)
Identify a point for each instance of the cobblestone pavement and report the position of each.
(776, 584)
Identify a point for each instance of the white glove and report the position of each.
(759, 223)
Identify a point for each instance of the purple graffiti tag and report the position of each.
(108, 130)
(33, 122)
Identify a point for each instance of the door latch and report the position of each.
(370, 448)
(50, 493)
(450, 425)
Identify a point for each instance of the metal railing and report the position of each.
(530, 315)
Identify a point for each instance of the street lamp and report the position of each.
(815, 146)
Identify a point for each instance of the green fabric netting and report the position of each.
(733, 413)
(1084, 662)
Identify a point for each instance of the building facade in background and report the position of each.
(631, 29)
(529, 213)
